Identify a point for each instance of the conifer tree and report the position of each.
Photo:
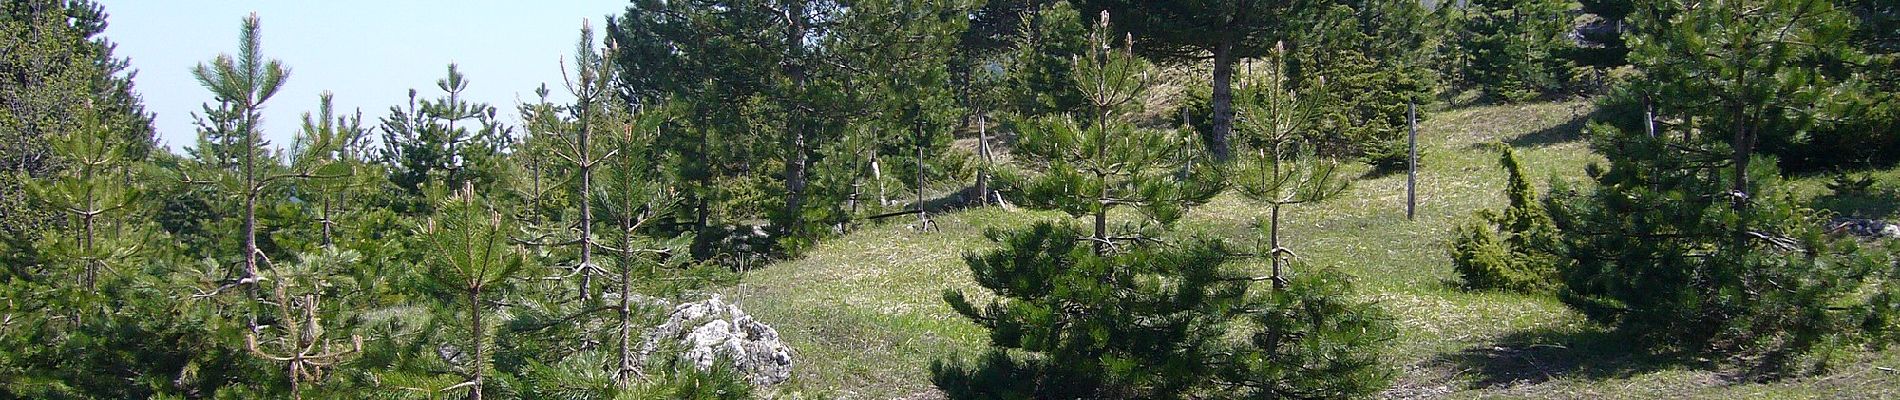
(1039, 79)
(755, 77)
(472, 264)
(298, 297)
(244, 82)
(636, 197)
(1525, 259)
(588, 82)
(1364, 61)
(92, 194)
(1603, 34)
(333, 143)
(60, 68)
(1689, 241)
(1144, 315)
(449, 139)
(914, 106)
(1223, 32)
(1107, 159)
(632, 195)
(1278, 168)
(1515, 47)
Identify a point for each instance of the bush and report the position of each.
(1680, 270)
(1523, 261)
(1486, 263)
(1842, 184)
(1158, 322)
(1390, 156)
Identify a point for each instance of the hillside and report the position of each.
(865, 315)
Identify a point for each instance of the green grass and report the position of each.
(864, 312)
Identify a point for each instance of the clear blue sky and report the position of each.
(370, 53)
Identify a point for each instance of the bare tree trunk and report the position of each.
(877, 175)
(1649, 117)
(983, 150)
(1411, 161)
(1223, 100)
(1743, 144)
(923, 214)
(296, 384)
(796, 168)
(328, 239)
(92, 261)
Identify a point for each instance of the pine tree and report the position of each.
(472, 264)
(1278, 168)
(1224, 32)
(245, 82)
(60, 71)
(1689, 241)
(914, 107)
(298, 296)
(1604, 46)
(332, 143)
(448, 139)
(1366, 61)
(753, 74)
(576, 139)
(1144, 315)
(93, 195)
(1039, 79)
(1514, 47)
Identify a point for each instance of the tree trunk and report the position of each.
(1743, 144)
(624, 377)
(1273, 247)
(877, 177)
(795, 168)
(586, 157)
(91, 277)
(983, 150)
(296, 383)
(1223, 100)
(1411, 161)
(475, 363)
(327, 222)
(923, 215)
(1101, 177)
(250, 206)
(795, 171)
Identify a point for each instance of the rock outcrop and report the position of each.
(708, 330)
(1863, 227)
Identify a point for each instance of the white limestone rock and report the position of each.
(707, 330)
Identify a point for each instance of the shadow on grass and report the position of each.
(1878, 204)
(1540, 355)
(1376, 173)
(1570, 130)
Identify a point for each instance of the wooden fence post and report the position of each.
(1411, 173)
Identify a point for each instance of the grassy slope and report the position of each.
(864, 311)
